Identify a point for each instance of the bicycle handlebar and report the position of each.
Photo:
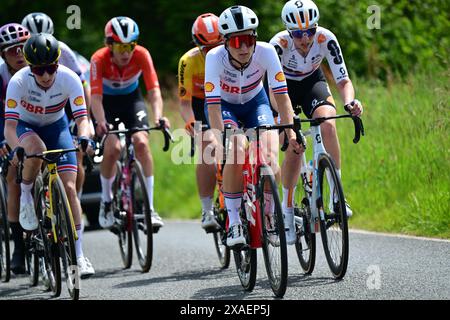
(166, 132)
(357, 122)
(51, 156)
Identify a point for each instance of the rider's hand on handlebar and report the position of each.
(12, 157)
(295, 146)
(355, 108)
(102, 128)
(3, 150)
(163, 121)
(86, 145)
(189, 127)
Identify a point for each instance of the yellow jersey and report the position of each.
(191, 75)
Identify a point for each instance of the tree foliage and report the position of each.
(413, 33)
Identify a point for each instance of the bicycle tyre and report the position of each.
(142, 222)
(329, 220)
(5, 236)
(125, 234)
(49, 253)
(305, 245)
(273, 236)
(66, 238)
(246, 258)
(223, 252)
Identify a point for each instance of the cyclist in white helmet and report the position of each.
(12, 39)
(235, 94)
(302, 48)
(39, 22)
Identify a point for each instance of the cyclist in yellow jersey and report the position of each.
(191, 77)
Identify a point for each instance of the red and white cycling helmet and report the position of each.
(12, 34)
(205, 30)
(300, 14)
(122, 30)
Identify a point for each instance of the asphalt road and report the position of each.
(185, 266)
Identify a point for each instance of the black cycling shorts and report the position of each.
(129, 109)
(198, 107)
(309, 94)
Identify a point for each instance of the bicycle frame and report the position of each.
(314, 196)
(53, 174)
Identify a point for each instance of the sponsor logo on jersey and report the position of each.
(209, 87)
(78, 101)
(31, 108)
(280, 77)
(11, 103)
(283, 43)
(322, 38)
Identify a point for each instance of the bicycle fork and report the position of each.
(52, 169)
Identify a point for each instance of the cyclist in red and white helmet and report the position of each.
(12, 39)
(302, 47)
(191, 77)
(115, 73)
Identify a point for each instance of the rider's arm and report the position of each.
(87, 94)
(12, 111)
(346, 90)
(335, 59)
(213, 91)
(153, 96)
(155, 100)
(97, 108)
(185, 92)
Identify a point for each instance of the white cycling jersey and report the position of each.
(297, 67)
(69, 59)
(28, 102)
(224, 81)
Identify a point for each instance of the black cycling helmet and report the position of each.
(41, 49)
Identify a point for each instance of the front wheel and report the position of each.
(273, 235)
(333, 217)
(66, 238)
(142, 222)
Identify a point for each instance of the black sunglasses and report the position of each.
(40, 70)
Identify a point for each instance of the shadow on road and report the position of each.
(202, 274)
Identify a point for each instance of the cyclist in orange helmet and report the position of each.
(191, 77)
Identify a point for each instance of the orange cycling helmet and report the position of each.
(205, 30)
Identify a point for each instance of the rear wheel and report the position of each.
(333, 217)
(142, 222)
(123, 227)
(273, 235)
(66, 238)
(5, 254)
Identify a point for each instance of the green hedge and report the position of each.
(413, 33)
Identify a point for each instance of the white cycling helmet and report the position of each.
(38, 22)
(237, 19)
(300, 14)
